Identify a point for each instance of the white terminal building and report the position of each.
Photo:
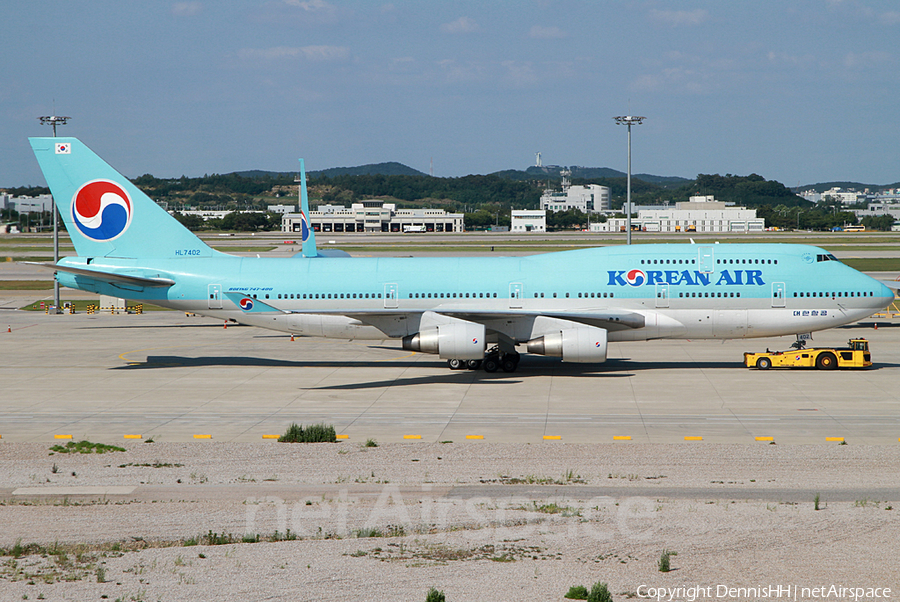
(700, 214)
(592, 198)
(375, 216)
(528, 220)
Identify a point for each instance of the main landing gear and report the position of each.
(493, 360)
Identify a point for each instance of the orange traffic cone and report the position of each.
(9, 329)
(225, 326)
(292, 336)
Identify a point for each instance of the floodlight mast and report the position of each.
(628, 120)
(55, 120)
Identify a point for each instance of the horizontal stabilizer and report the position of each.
(326, 253)
(110, 277)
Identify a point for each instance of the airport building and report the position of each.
(700, 214)
(375, 216)
(27, 204)
(528, 220)
(587, 199)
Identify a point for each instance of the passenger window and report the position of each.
(612, 294)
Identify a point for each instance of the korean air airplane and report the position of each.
(471, 311)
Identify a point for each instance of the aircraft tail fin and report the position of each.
(307, 235)
(105, 214)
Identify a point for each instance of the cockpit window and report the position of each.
(826, 257)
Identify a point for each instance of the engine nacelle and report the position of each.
(583, 345)
(457, 341)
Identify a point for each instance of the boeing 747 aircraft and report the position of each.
(471, 311)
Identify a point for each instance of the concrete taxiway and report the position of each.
(171, 377)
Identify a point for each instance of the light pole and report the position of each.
(54, 120)
(628, 120)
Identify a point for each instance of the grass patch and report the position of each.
(25, 285)
(314, 433)
(434, 595)
(873, 264)
(599, 593)
(664, 564)
(227, 249)
(85, 447)
(577, 592)
(371, 443)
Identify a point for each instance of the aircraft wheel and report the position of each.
(509, 364)
(456, 364)
(826, 361)
(490, 364)
(763, 363)
(473, 364)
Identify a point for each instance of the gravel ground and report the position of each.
(478, 521)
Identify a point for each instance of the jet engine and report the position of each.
(459, 340)
(585, 344)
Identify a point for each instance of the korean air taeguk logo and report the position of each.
(246, 303)
(636, 277)
(102, 210)
(304, 227)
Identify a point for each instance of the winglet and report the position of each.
(308, 236)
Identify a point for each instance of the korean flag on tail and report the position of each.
(63, 148)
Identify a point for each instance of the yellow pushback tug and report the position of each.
(856, 355)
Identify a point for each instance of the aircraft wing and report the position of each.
(615, 319)
(601, 319)
(894, 284)
(103, 276)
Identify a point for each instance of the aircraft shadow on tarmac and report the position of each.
(530, 367)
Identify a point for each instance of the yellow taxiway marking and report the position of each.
(689, 438)
(474, 436)
(62, 436)
(621, 437)
(412, 436)
(552, 437)
(270, 436)
(765, 438)
(394, 359)
(838, 439)
(342, 436)
(202, 436)
(134, 436)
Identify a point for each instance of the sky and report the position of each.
(799, 91)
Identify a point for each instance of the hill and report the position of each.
(823, 186)
(590, 173)
(391, 168)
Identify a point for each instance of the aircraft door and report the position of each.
(390, 296)
(215, 296)
(778, 294)
(662, 295)
(705, 260)
(516, 292)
